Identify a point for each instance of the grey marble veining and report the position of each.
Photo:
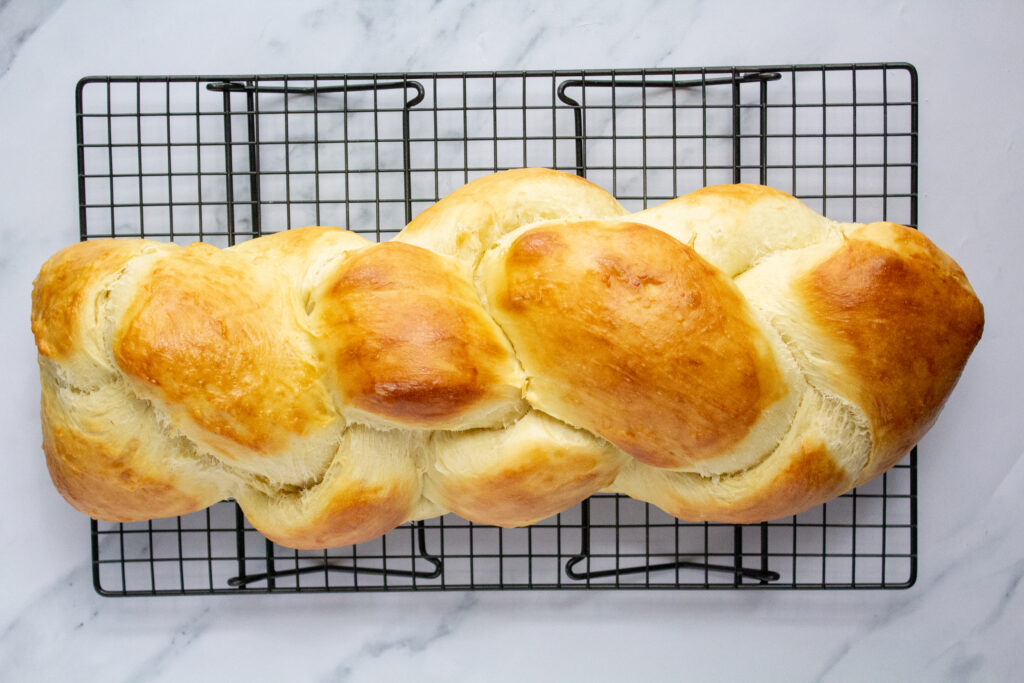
(447, 625)
(961, 621)
(18, 21)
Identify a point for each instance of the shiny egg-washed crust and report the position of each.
(407, 340)
(729, 355)
(663, 333)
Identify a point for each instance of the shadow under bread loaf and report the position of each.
(729, 355)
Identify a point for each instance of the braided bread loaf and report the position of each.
(729, 355)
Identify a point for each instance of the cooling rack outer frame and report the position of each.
(226, 158)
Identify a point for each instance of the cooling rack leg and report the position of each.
(229, 169)
(739, 572)
(253, 129)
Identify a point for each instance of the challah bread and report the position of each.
(730, 355)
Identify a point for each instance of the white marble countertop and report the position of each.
(962, 620)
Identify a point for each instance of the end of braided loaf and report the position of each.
(729, 355)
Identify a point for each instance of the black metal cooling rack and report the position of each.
(227, 158)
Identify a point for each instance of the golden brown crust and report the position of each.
(628, 333)
(733, 226)
(300, 245)
(520, 474)
(817, 459)
(542, 482)
(406, 340)
(738, 192)
(809, 477)
(207, 334)
(353, 516)
(65, 281)
(295, 253)
(106, 485)
(471, 219)
(369, 488)
(114, 474)
(904, 320)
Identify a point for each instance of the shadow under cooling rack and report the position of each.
(223, 159)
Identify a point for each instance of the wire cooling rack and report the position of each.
(227, 158)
